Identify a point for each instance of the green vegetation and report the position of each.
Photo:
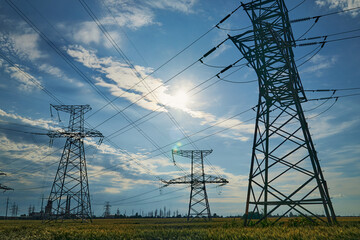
(219, 228)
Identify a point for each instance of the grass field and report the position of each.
(227, 228)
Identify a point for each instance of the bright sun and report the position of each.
(180, 99)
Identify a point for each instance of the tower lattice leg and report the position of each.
(70, 196)
(285, 173)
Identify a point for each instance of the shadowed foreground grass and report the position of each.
(348, 228)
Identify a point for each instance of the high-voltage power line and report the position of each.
(199, 203)
(285, 173)
(69, 196)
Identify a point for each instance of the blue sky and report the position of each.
(149, 33)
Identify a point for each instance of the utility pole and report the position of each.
(283, 150)
(30, 210)
(198, 204)
(42, 205)
(14, 210)
(70, 196)
(7, 207)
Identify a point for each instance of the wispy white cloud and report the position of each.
(342, 4)
(25, 151)
(28, 45)
(137, 163)
(87, 32)
(343, 186)
(123, 82)
(133, 164)
(26, 81)
(37, 122)
(24, 45)
(58, 73)
(129, 14)
(125, 14)
(185, 6)
(349, 154)
(134, 15)
(325, 127)
(320, 63)
(23, 77)
(115, 181)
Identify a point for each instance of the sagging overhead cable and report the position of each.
(328, 35)
(332, 90)
(326, 41)
(324, 15)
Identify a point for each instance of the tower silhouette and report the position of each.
(69, 196)
(285, 174)
(199, 203)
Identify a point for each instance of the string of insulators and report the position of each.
(322, 90)
(212, 50)
(306, 19)
(227, 16)
(313, 43)
(228, 67)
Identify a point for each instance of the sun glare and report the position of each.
(180, 99)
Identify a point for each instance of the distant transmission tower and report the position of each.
(14, 210)
(285, 173)
(69, 196)
(199, 204)
(107, 209)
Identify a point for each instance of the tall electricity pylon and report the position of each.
(285, 173)
(199, 203)
(70, 196)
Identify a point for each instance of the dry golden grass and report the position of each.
(227, 228)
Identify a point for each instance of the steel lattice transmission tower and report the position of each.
(70, 196)
(199, 203)
(285, 173)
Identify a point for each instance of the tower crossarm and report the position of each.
(187, 180)
(180, 180)
(71, 108)
(5, 188)
(214, 179)
(191, 153)
(76, 135)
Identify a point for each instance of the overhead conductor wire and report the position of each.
(122, 54)
(35, 28)
(77, 70)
